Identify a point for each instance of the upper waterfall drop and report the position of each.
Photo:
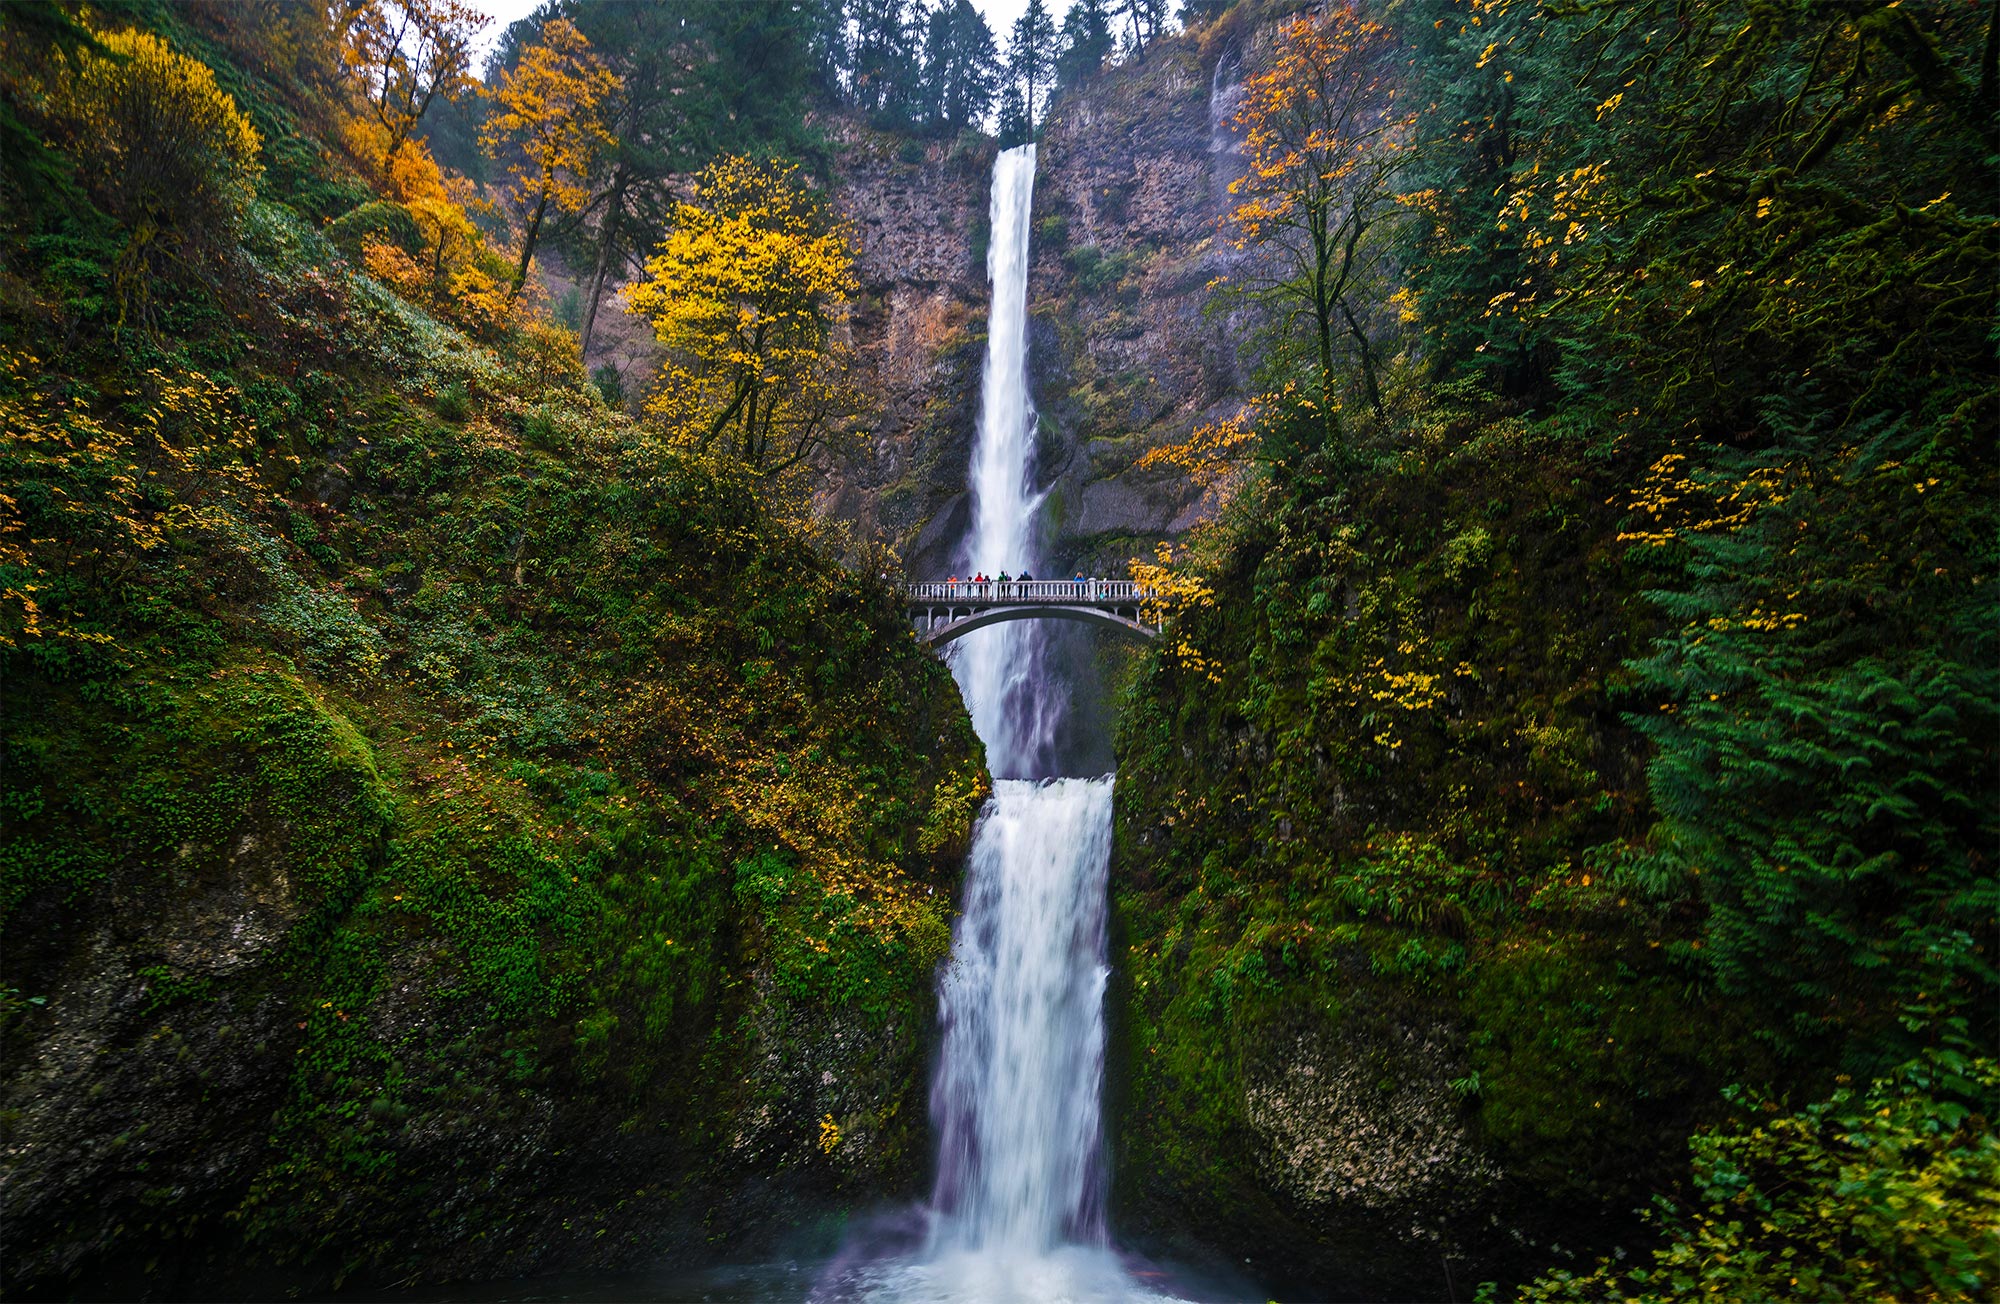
(1000, 670)
(1003, 453)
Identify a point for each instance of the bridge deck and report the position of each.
(945, 609)
(960, 593)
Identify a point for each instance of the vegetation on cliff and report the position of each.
(450, 829)
(1610, 715)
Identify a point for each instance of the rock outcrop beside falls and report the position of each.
(919, 215)
(1134, 177)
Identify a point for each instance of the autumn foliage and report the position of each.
(550, 127)
(159, 146)
(1325, 141)
(749, 296)
(408, 54)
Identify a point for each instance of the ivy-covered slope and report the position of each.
(1377, 983)
(1610, 718)
(446, 834)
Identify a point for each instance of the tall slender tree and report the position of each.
(1031, 61)
(1145, 20)
(550, 129)
(888, 37)
(961, 67)
(1327, 145)
(697, 80)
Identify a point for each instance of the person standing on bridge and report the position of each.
(1000, 590)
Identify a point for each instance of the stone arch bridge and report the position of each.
(943, 610)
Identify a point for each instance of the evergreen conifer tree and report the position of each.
(961, 67)
(1086, 41)
(887, 40)
(1031, 62)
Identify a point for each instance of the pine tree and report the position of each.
(961, 67)
(883, 81)
(1015, 129)
(1031, 62)
(1086, 41)
(1145, 19)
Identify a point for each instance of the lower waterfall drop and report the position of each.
(1015, 1097)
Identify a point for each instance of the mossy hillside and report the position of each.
(448, 833)
(1368, 816)
(569, 773)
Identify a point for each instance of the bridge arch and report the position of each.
(937, 635)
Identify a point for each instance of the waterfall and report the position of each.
(1225, 97)
(1225, 138)
(1016, 1094)
(1017, 1213)
(1000, 668)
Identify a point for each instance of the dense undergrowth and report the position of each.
(447, 831)
(1609, 719)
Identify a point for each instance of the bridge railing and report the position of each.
(1085, 591)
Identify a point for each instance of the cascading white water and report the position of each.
(1016, 1092)
(1015, 1099)
(1000, 668)
(1018, 1210)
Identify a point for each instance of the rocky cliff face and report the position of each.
(1134, 171)
(919, 216)
(1132, 176)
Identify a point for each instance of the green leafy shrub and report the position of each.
(453, 403)
(610, 384)
(544, 427)
(1887, 1193)
(380, 222)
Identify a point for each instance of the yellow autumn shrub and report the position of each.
(158, 145)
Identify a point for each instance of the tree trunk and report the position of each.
(607, 241)
(534, 233)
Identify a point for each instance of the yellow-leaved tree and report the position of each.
(1326, 142)
(408, 54)
(749, 295)
(550, 128)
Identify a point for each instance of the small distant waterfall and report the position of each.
(1225, 142)
(1225, 97)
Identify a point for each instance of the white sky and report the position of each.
(1000, 15)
